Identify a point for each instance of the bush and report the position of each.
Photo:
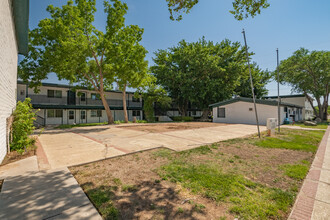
(182, 118)
(22, 126)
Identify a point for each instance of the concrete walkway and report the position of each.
(313, 200)
(28, 193)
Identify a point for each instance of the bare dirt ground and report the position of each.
(148, 197)
(14, 156)
(164, 127)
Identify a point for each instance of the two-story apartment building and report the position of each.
(14, 20)
(62, 104)
(299, 99)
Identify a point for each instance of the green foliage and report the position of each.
(201, 73)
(296, 171)
(153, 94)
(308, 73)
(247, 199)
(23, 126)
(293, 140)
(69, 45)
(241, 8)
(182, 118)
(259, 78)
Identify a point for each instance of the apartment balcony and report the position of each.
(45, 100)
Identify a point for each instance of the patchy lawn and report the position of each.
(246, 178)
(80, 125)
(323, 125)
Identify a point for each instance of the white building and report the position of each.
(62, 104)
(241, 111)
(14, 18)
(300, 99)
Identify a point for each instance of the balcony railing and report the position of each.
(44, 99)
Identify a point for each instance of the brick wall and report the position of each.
(8, 70)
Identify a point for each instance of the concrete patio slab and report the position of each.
(67, 149)
(51, 194)
(86, 144)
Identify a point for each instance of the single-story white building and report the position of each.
(240, 110)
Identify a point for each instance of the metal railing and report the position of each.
(44, 99)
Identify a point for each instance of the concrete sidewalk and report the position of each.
(49, 194)
(313, 200)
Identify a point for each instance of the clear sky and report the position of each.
(286, 24)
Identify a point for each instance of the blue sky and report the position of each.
(286, 24)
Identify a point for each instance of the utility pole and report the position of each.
(252, 88)
(278, 96)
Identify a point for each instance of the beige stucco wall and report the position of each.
(8, 70)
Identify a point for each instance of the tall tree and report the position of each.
(129, 55)
(309, 72)
(259, 78)
(200, 73)
(241, 8)
(69, 45)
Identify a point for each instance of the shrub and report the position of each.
(22, 126)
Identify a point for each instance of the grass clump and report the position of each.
(102, 199)
(246, 198)
(293, 140)
(295, 171)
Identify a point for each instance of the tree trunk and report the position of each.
(205, 115)
(124, 104)
(106, 107)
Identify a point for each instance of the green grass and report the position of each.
(323, 125)
(296, 171)
(247, 199)
(102, 198)
(293, 140)
(80, 125)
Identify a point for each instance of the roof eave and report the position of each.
(21, 19)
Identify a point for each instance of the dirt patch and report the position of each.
(14, 156)
(164, 127)
(147, 197)
(1, 182)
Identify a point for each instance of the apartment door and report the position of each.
(71, 98)
(71, 116)
(83, 116)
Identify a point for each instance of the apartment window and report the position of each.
(82, 115)
(22, 92)
(221, 112)
(54, 93)
(136, 113)
(135, 99)
(54, 113)
(95, 96)
(96, 113)
(250, 109)
(285, 109)
(71, 115)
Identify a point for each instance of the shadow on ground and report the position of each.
(40, 195)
